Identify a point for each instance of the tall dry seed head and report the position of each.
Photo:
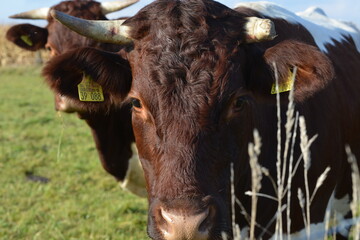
(355, 176)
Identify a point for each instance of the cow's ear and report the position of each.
(109, 71)
(314, 70)
(27, 36)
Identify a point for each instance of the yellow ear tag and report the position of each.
(90, 91)
(285, 86)
(26, 39)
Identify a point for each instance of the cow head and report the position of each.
(58, 39)
(55, 37)
(195, 77)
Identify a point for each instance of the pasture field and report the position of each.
(80, 201)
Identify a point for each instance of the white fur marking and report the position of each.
(324, 29)
(134, 181)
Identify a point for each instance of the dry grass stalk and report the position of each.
(327, 218)
(290, 174)
(256, 176)
(320, 182)
(235, 227)
(58, 155)
(305, 144)
(291, 123)
(283, 187)
(355, 176)
(281, 164)
(285, 172)
(300, 196)
(279, 224)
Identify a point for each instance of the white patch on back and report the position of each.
(318, 231)
(339, 207)
(324, 29)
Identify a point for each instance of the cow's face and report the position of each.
(189, 120)
(191, 115)
(58, 39)
(194, 84)
(55, 37)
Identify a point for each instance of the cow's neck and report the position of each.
(113, 136)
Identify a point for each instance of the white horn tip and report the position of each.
(109, 7)
(258, 29)
(40, 13)
(15, 16)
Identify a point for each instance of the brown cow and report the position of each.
(110, 126)
(200, 78)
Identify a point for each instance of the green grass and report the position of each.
(81, 201)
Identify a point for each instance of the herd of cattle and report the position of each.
(188, 81)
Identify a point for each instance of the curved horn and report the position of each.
(109, 7)
(99, 30)
(258, 29)
(40, 13)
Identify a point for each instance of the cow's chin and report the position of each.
(205, 218)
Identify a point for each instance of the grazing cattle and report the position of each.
(200, 77)
(110, 126)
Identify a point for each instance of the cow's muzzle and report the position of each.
(183, 220)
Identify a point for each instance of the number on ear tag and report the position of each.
(90, 91)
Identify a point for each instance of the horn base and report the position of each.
(258, 30)
(102, 31)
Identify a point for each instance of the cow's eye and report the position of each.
(136, 103)
(240, 103)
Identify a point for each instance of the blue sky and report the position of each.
(347, 10)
